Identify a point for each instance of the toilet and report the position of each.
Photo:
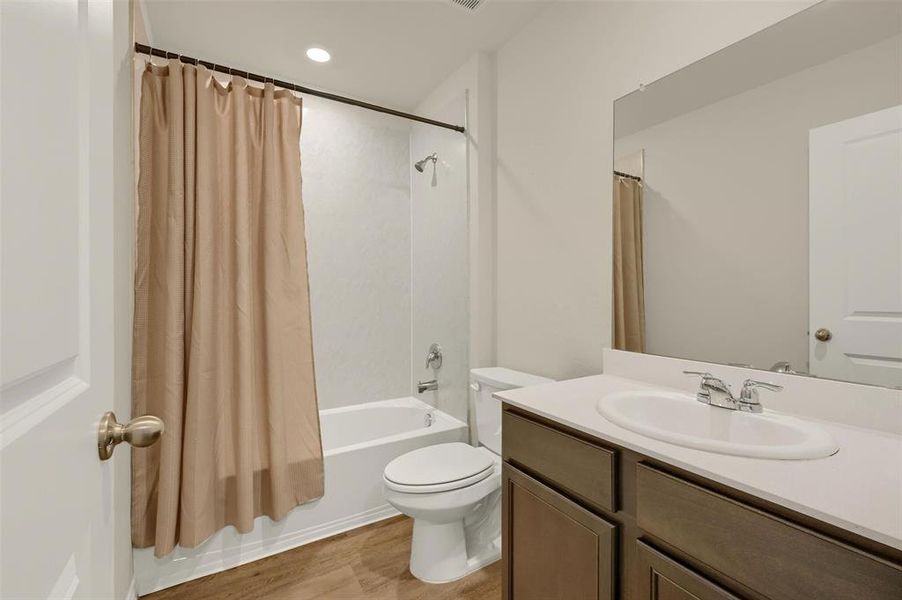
(453, 491)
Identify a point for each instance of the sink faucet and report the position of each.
(716, 392)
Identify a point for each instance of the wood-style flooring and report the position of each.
(370, 562)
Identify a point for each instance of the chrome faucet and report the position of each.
(427, 386)
(713, 390)
(434, 357)
(748, 397)
(716, 392)
(784, 366)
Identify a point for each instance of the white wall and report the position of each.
(140, 26)
(439, 268)
(726, 210)
(556, 83)
(355, 166)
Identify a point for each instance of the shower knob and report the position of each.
(139, 432)
(434, 357)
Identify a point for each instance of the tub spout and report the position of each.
(427, 386)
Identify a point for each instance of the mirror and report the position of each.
(758, 201)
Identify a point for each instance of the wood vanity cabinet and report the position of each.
(562, 550)
(584, 519)
(659, 577)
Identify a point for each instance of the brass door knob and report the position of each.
(139, 432)
(823, 334)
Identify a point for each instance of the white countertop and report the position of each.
(859, 488)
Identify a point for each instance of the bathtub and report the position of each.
(358, 441)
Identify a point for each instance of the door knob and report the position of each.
(139, 432)
(823, 334)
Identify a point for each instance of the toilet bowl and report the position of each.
(453, 491)
(451, 528)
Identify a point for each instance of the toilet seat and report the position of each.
(438, 468)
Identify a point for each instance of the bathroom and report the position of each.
(558, 299)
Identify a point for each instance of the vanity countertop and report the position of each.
(859, 488)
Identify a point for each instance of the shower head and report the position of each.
(421, 165)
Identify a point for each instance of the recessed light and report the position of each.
(318, 55)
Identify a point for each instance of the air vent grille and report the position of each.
(468, 5)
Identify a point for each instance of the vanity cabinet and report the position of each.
(586, 470)
(585, 519)
(556, 548)
(662, 578)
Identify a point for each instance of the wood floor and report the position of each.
(370, 562)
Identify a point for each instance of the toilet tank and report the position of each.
(486, 381)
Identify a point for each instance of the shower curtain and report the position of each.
(629, 275)
(222, 336)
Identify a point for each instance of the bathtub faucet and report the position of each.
(427, 386)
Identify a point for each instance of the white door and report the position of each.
(56, 313)
(855, 196)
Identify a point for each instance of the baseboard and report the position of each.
(218, 559)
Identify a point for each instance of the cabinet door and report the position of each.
(553, 548)
(662, 578)
(774, 557)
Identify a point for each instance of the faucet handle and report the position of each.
(748, 397)
(703, 394)
(710, 380)
(702, 374)
(434, 357)
(751, 384)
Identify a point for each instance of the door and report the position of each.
(661, 578)
(56, 310)
(553, 548)
(855, 208)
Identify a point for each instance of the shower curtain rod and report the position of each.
(627, 175)
(145, 49)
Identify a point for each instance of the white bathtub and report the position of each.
(358, 441)
(351, 428)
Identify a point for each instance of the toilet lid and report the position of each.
(439, 464)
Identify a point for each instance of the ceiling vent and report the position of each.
(468, 5)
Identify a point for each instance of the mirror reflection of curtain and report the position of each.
(629, 276)
(222, 336)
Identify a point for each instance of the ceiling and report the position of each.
(388, 52)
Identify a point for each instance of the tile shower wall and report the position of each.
(439, 214)
(356, 170)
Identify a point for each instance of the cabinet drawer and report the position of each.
(582, 468)
(553, 548)
(770, 555)
(662, 578)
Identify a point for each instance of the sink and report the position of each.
(681, 419)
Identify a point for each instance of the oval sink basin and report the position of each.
(681, 419)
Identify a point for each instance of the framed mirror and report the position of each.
(758, 201)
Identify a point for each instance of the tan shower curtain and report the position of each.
(222, 339)
(629, 276)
